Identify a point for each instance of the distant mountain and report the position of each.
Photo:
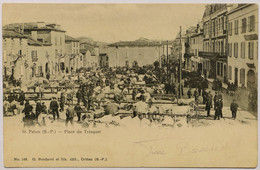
(86, 39)
(91, 41)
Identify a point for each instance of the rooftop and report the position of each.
(34, 26)
(212, 8)
(13, 34)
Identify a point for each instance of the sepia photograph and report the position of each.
(130, 84)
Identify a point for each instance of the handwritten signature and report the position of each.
(151, 147)
(185, 148)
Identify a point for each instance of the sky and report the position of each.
(110, 22)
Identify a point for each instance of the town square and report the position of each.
(135, 78)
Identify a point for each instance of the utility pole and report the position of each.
(167, 62)
(180, 67)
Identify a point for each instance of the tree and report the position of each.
(156, 64)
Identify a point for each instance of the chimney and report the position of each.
(34, 35)
(22, 28)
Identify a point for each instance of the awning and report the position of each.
(250, 65)
(251, 37)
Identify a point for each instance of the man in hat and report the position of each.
(196, 95)
(27, 109)
(218, 107)
(54, 106)
(44, 108)
(21, 98)
(208, 103)
(189, 94)
(38, 108)
(79, 95)
(233, 108)
(78, 111)
(221, 103)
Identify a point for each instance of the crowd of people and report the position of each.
(101, 92)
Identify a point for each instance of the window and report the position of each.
(56, 41)
(236, 27)
(34, 54)
(242, 76)
(230, 72)
(251, 50)
(243, 44)
(230, 49)
(219, 23)
(221, 47)
(40, 39)
(243, 25)
(80, 58)
(39, 70)
(221, 69)
(222, 23)
(230, 28)
(251, 23)
(235, 50)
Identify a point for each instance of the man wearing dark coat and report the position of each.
(233, 108)
(218, 107)
(27, 109)
(196, 95)
(221, 102)
(208, 103)
(54, 106)
(21, 98)
(78, 111)
(189, 94)
(38, 109)
(79, 95)
(204, 96)
(62, 101)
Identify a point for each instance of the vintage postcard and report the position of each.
(130, 85)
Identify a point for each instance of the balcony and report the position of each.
(188, 55)
(213, 55)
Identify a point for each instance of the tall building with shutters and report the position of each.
(243, 45)
(215, 41)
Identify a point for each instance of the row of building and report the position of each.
(40, 49)
(224, 45)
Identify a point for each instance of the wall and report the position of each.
(241, 63)
(143, 55)
(11, 50)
